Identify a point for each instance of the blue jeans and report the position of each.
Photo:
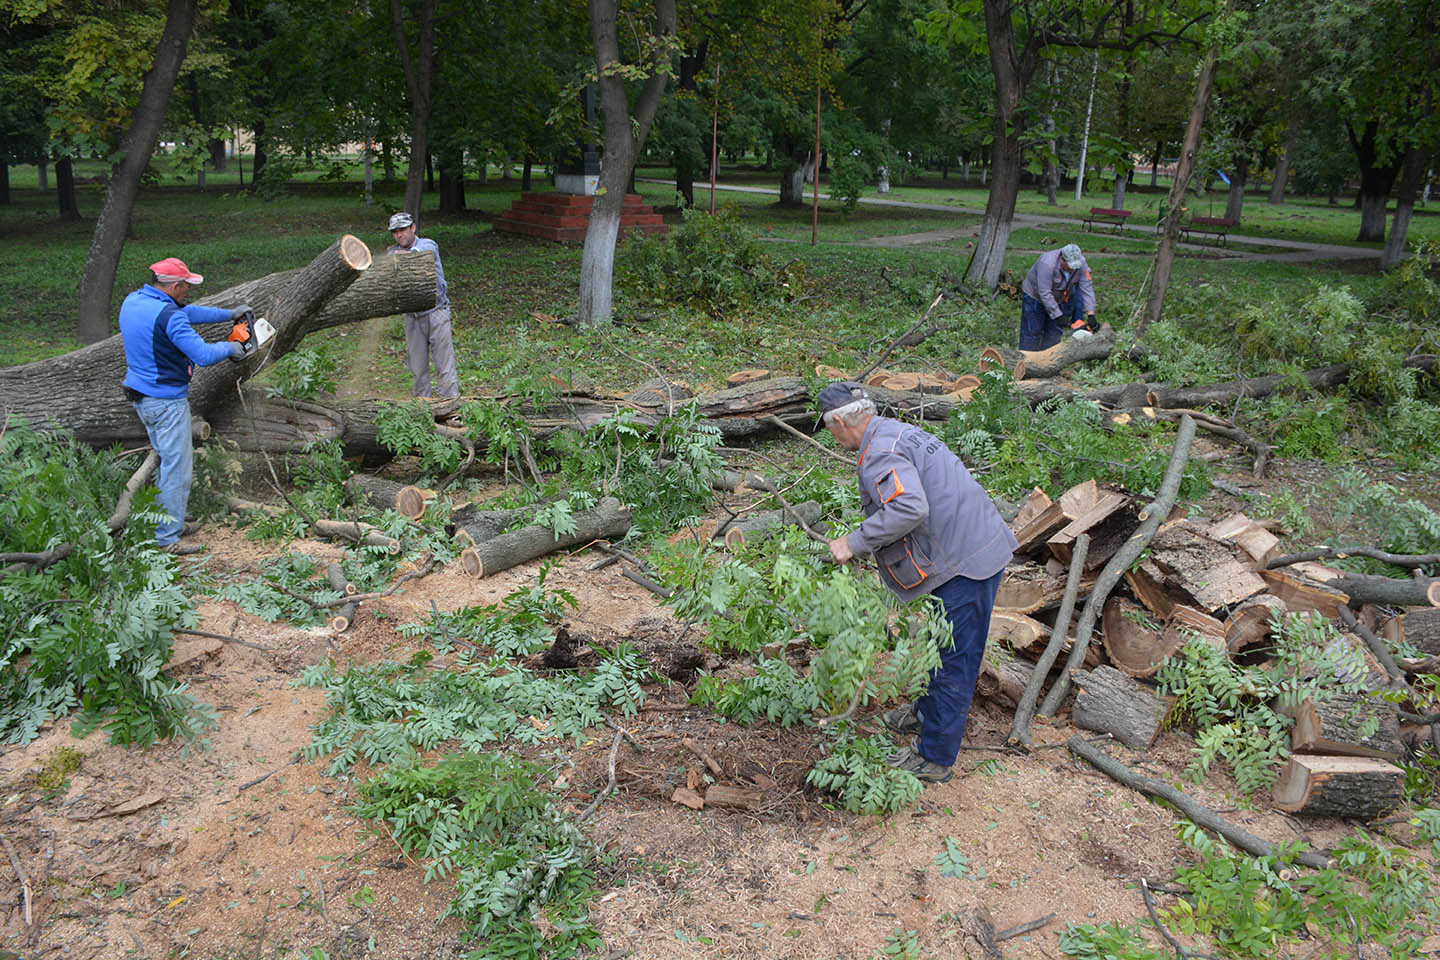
(1037, 330)
(946, 705)
(167, 423)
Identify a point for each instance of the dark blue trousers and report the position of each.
(946, 705)
(1037, 330)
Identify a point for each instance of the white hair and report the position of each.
(851, 412)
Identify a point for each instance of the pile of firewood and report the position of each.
(1222, 582)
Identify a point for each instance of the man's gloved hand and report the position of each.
(243, 332)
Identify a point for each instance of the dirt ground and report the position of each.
(241, 850)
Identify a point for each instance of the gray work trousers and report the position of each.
(427, 338)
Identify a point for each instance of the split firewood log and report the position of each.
(1135, 643)
(1250, 622)
(1028, 587)
(1188, 622)
(1363, 788)
(607, 520)
(1103, 521)
(1017, 630)
(1148, 584)
(1205, 570)
(1259, 544)
(1301, 594)
(1107, 701)
(1337, 725)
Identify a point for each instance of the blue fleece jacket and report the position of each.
(162, 348)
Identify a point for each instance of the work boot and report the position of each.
(902, 719)
(191, 528)
(178, 549)
(909, 759)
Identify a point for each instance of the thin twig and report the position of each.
(776, 421)
(1155, 918)
(24, 880)
(223, 637)
(1412, 560)
(896, 342)
(849, 711)
(1023, 928)
(1376, 645)
(595, 804)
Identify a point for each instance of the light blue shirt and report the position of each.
(426, 245)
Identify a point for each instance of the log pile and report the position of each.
(1222, 583)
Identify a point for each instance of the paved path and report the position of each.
(1288, 251)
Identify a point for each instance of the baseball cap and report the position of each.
(838, 395)
(173, 269)
(401, 220)
(1072, 256)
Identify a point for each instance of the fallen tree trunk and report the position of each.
(757, 527)
(80, 391)
(1186, 804)
(607, 520)
(1107, 701)
(1359, 787)
(405, 499)
(1044, 364)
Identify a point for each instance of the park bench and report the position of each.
(1105, 215)
(1217, 227)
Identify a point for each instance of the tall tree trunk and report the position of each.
(1184, 170)
(1155, 164)
(262, 154)
(98, 280)
(1376, 179)
(1235, 202)
(1085, 137)
(41, 168)
(218, 157)
(1413, 170)
(1052, 156)
(1012, 72)
(1124, 169)
(5, 181)
(525, 175)
(623, 143)
(387, 161)
(452, 181)
(65, 189)
(1282, 166)
(418, 73)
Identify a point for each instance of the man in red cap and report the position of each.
(162, 351)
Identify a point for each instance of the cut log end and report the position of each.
(199, 428)
(354, 252)
(410, 502)
(734, 540)
(470, 563)
(1432, 593)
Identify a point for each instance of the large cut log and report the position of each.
(1363, 588)
(1148, 584)
(403, 498)
(607, 520)
(1338, 725)
(1041, 364)
(1018, 631)
(1359, 787)
(1107, 701)
(1302, 595)
(758, 526)
(1418, 628)
(275, 425)
(1188, 623)
(80, 391)
(1224, 394)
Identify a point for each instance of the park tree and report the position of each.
(419, 67)
(23, 135)
(625, 125)
(1016, 36)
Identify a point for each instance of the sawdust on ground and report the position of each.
(241, 850)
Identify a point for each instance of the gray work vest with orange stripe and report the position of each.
(926, 519)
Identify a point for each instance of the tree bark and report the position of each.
(1282, 165)
(1013, 70)
(80, 391)
(1376, 178)
(452, 181)
(1184, 169)
(98, 281)
(624, 138)
(65, 189)
(1235, 201)
(1107, 701)
(418, 73)
(1412, 170)
(1322, 786)
(1335, 725)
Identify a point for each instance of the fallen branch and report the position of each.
(860, 377)
(1377, 646)
(24, 880)
(644, 581)
(1155, 919)
(1023, 928)
(1025, 710)
(36, 561)
(776, 421)
(1186, 804)
(1150, 519)
(595, 804)
(222, 637)
(138, 479)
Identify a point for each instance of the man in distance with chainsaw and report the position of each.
(428, 335)
(162, 351)
(1057, 291)
(932, 529)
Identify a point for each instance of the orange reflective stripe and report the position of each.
(861, 461)
(899, 488)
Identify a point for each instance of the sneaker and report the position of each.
(179, 549)
(908, 759)
(902, 719)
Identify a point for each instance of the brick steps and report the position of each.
(564, 217)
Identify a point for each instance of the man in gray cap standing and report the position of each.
(1056, 290)
(427, 335)
(932, 530)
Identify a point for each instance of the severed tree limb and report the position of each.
(595, 804)
(1389, 591)
(17, 562)
(1412, 560)
(1150, 519)
(1024, 711)
(1155, 919)
(1023, 928)
(20, 874)
(138, 479)
(225, 638)
(644, 581)
(1186, 804)
(775, 421)
(1377, 647)
(903, 338)
(362, 533)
